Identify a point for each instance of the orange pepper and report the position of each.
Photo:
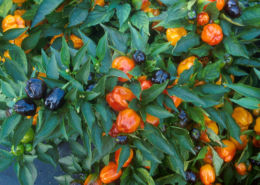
(35, 117)
(209, 156)
(212, 34)
(159, 28)
(20, 13)
(256, 112)
(145, 4)
(243, 138)
(177, 101)
(118, 98)
(161, 4)
(60, 8)
(145, 84)
(11, 22)
(227, 153)
(220, 4)
(174, 34)
(203, 18)
(109, 173)
(78, 43)
(99, 2)
(128, 121)
(124, 64)
(6, 55)
(186, 64)
(152, 120)
(242, 117)
(55, 37)
(257, 125)
(155, 12)
(206, 118)
(256, 142)
(207, 174)
(242, 168)
(212, 125)
(20, 2)
(93, 179)
(40, 74)
(114, 131)
(128, 161)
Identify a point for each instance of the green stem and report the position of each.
(66, 85)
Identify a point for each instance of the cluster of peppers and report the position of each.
(36, 90)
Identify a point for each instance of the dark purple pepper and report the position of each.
(160, 76)
(232, 9)
(25, 107)
(195, 134)
(121, 140)
(9, 112)
(91, 87)
(35, 88)
(139, 57)
(54, 99)
(190, 176)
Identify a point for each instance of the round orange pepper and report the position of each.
(256, 142)
(152, 120)
(212, 34)
(20, 2)
(20, 13)
(117, 154)
(99, 2)
(145, 84)
(212, 125)
(256, 112)
(242, 117)
(78, 43)
(11, 22)
(257, 125)
(186, 64)
(177, 101)
(114, 131)
(35, 117)
(174, 34)
(227, 153)
(207, 174)
(242, 168)
(243, 138)
(124, 64)
(93, 179)
(117, 99)
(203, 18)
(220, 4)
(159, 28)
(109, 173)
(209, 156)
(145, 4)
(155, 12)
(128, 121)
(206, 118)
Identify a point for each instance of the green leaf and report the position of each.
(226, 27)
(49, 125)
(83, 73)
(91, 46)
(158, 112)
(185, 93)
(75, 121)
(100, 87)
(246, 90)
(72, 95)
(64, 180)
(169, 103)
(211, 72)
(233, 128)
(52, 69)
(65, 53)
(5, 6)
(25, 177)
(4, 164)
(21, 130)
(122, 12)
(137, 40)
(13, 33)
(252, 62)
(86, 141)
(201, 154)
(159, 49)
(101, 48)
(212, 10)
(251, 15)
(77, 149)
(9, 125)
(136, 88)
(249, 103)
(136, 71)
(96, 134)
(46, 159)
(20, 57)
(139, 19)
(237, 22)
(88, 113)
(217, 161)
(196, 115)
(86, 164)
(138, 144)
(202, 50)
(7, 90)
(14, 70)
(123, 157)
(215, 116)
(245, 154)
(185, 43)
(42, 148)
(145, 175)
(211, 88)
(31, 41)
(101, 110)
(46, 7)
(77, 59)
(233, 47)
(117, 72)
(77, 16)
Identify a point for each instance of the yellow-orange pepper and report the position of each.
(243, 138)
(209, 156)
(207, 174)
(256, 112)
(35, 117)
(20, 13)
(6, 55)
(78, 43)
(124, 64)
(186, 64)
(212, 125)
(145, 4)
(93, 179)
(19, 2)
(155, 12)
(11, 22)
(242, 117)
(152, 120)
(109, 173)
(174, 34)
(18, 41)
(212, 34)
(55, 37)
(128, 121)
(227, 153)
(243, 168)
(257, 125)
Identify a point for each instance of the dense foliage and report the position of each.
(160, 92)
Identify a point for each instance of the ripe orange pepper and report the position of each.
(159, 28)
(145, 4)
(155, 12)
(209, 156)
(128, 121)
(145, 84)
(152, 120)
(257, 125)
(242, 117)
(114, 131)
(78, 43)
(161, 4)
(256, 142)
(243, 138)
(11, 22)
(55, 37)
(117, 154)
(177, 101)
(256, 112)
(117, 99)
(206, 118)
(35, 117)
(60, 8)
(20, 13)
(212, 125)
(174, 34)
(148, 167)
(227, 153)
(20, 2)
(207, 174)
(220, 4)
(212, 34)
(242, 168)
(124, 64)
(109, 173)
(203, 18)
(6, 55)
(93, 179)
(186, 64)
(99, 2)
